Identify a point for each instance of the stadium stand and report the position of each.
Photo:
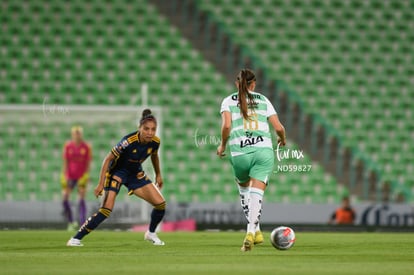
(348, 62)
(100, 52)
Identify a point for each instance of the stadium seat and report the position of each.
(352, 34)
(87, 53)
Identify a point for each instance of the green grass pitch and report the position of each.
(108, 252)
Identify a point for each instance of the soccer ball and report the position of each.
(282, 237)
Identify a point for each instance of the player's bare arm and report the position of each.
(122, 167)
(102, 175)
(280, 130)
(225, 132)
(156, 164)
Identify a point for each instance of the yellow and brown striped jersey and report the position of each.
(130, 153)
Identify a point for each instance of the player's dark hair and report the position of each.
(146, 116)
(245, 78)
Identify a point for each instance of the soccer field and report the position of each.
(107, 252)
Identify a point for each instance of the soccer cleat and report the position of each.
(74, 242)
(248, 242)
(258, 237)
(152, 237)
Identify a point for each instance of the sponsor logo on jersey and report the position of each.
(124, 143)
(251, 141)
(252, 105)
(135, 160)
(249, 134)
(255, 96)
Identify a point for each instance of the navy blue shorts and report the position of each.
(130, 181)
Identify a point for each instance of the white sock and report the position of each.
(255, 208)
(244, 200)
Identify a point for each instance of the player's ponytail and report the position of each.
(245, 78)
(146, 116)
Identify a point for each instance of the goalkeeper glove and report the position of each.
(63, 180)
(84, 179)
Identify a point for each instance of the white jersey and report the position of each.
(247, 136)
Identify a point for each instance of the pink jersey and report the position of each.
(77, 158)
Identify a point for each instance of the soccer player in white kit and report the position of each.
(245, 128)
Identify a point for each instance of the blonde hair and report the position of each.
(76, 128)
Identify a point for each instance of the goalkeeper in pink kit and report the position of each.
(76, 161)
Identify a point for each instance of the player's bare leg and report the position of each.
(152, 195)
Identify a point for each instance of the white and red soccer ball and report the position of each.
(283, 237)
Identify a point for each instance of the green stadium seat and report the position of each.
(104, 59)
(372, 61)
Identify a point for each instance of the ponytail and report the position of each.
(245, 78)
